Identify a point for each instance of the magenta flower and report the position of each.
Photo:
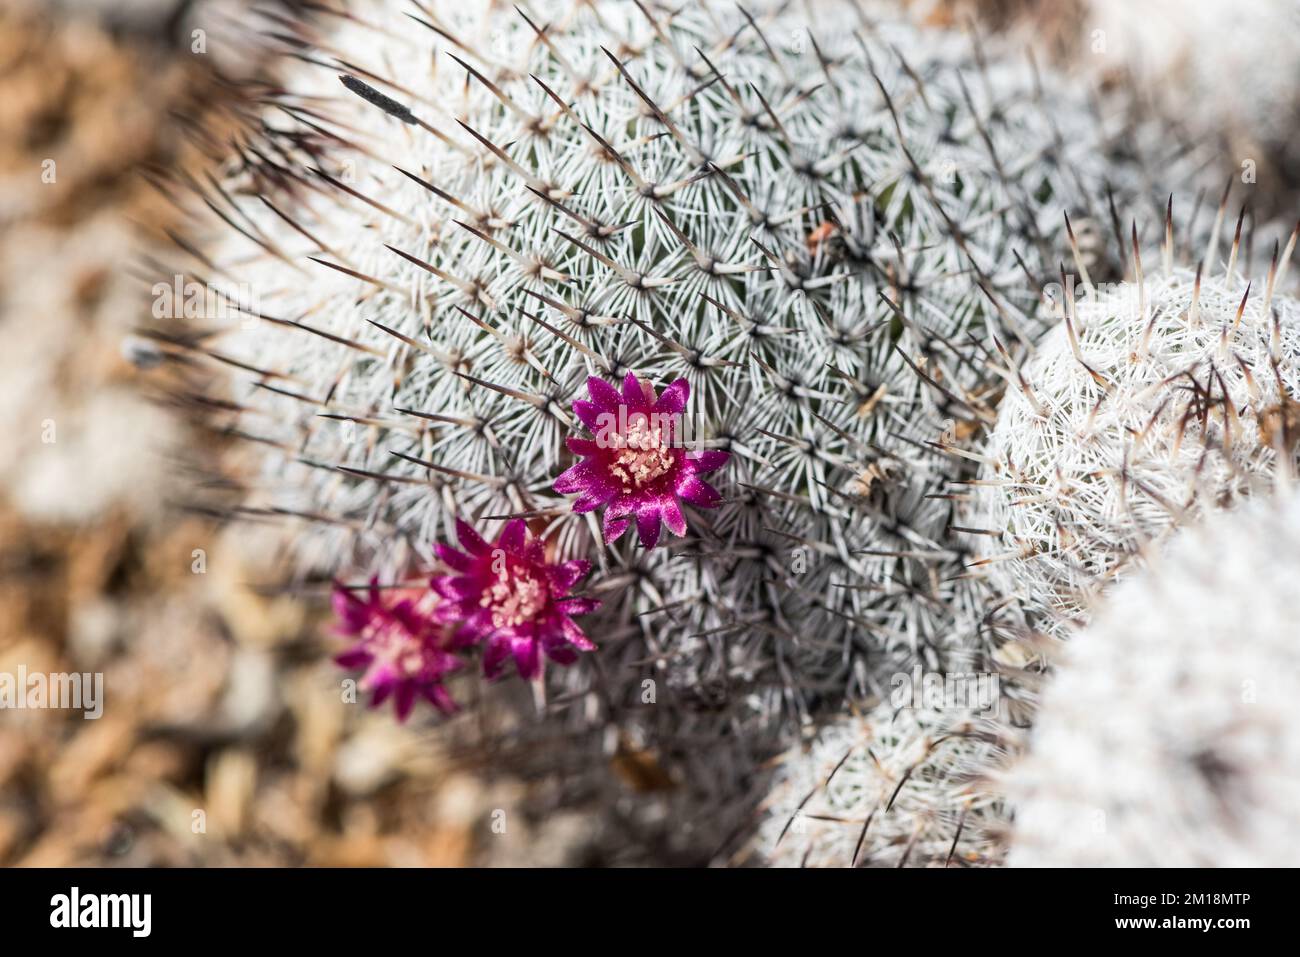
(510, 598)
(637, 465)
(404, 651)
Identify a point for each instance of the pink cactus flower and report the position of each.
(509, 598)
(402, 649)
(638, 465)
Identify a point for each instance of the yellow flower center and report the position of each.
(642, 456)
(514, 599)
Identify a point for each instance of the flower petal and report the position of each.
(673, 399)
(707, 461)
(473, 629)
(455, 587)
(526, 656)
(647, 525)
(578, 606)
(673, 517)
(589, 414)
(593, 500)
(404, 699)
(439, 697)
(470, 540)
(447, 662)
(584, 477)
(405, 615)
(564, 576)
(356, 657)
(512, 536)
(561, 654)
(453, 558)
(638, 396)
(603, 395)
(614, 527)
(495, 655)
(698, 492)
(352, 613)
(576, 636)
(570, 480)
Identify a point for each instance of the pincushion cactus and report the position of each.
(1170, 736)
(475, 213)
(893, 787)
(1150, 401)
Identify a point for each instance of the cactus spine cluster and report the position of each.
(894, 787)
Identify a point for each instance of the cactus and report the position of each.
(1207, 69)
(435, 254)
(1169, 736)
(1210, 69)
(1152, 401)
(894, 787)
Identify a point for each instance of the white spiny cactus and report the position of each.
(795, 213)
(1171, 733)
(894, 787)
(1151, 401)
